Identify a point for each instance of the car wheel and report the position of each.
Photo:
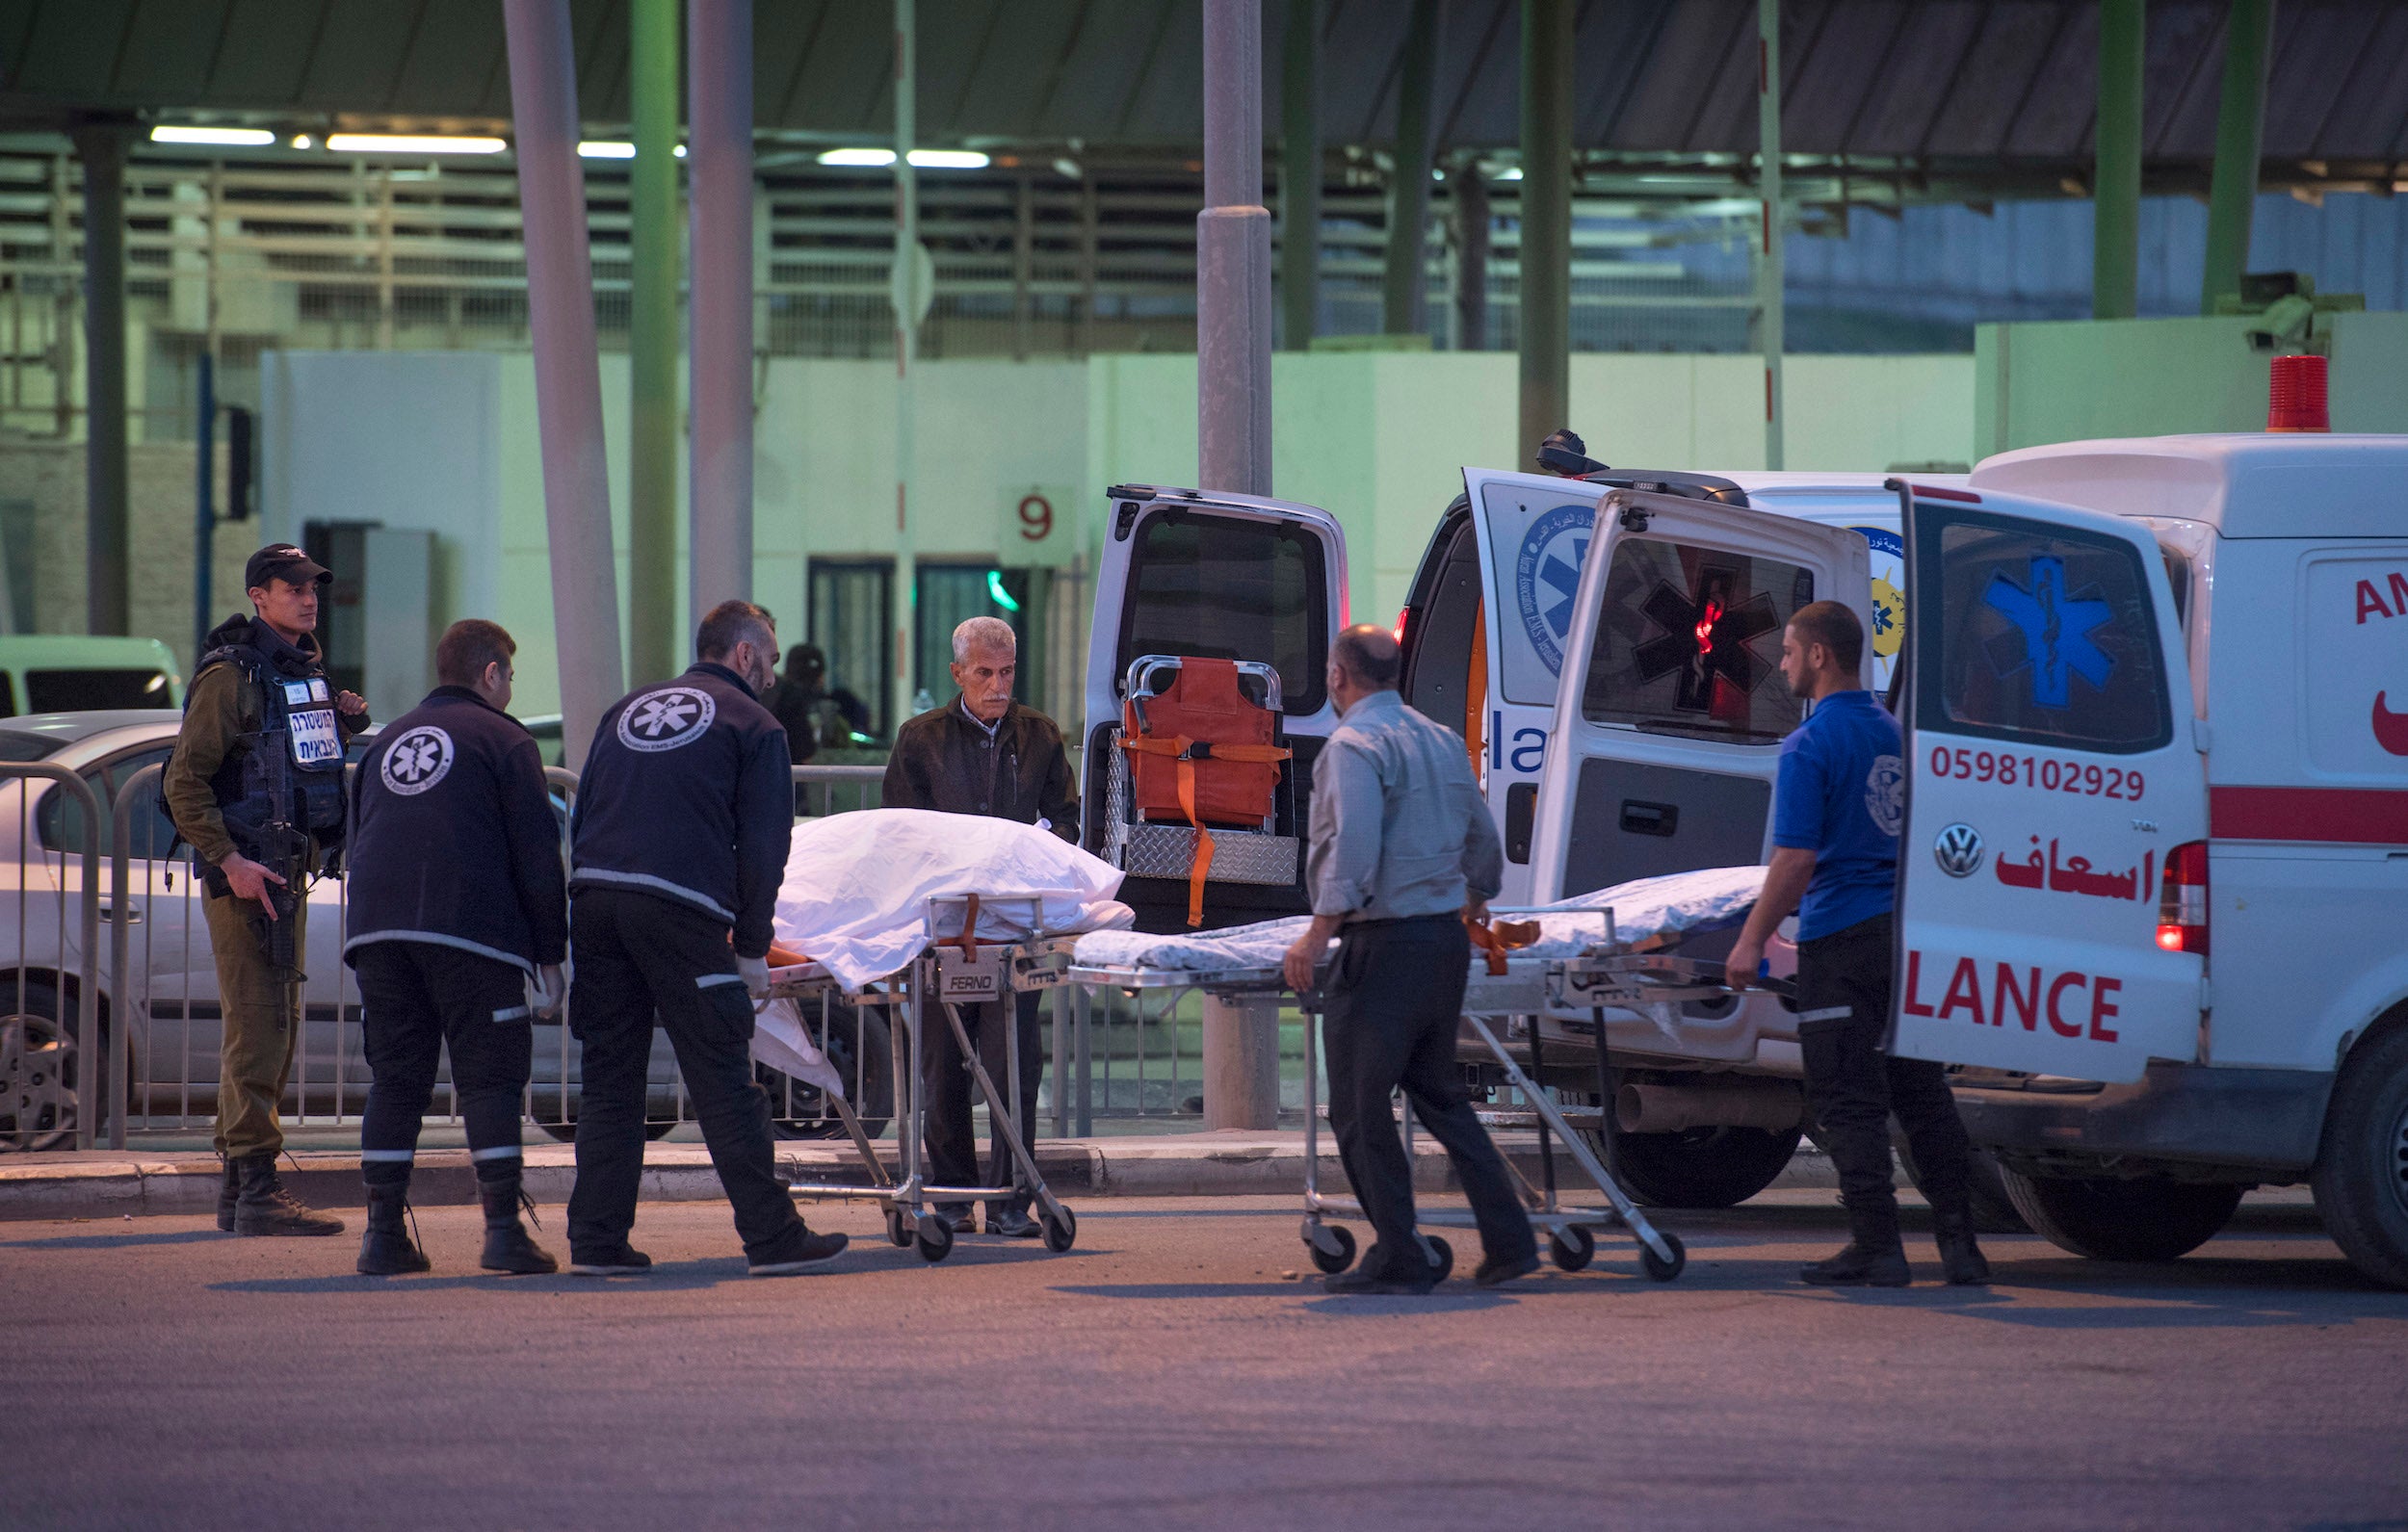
(1993, 1212)
(40, 1100)
(2145, 1219)
(2361, 1176)
(1697, 1167)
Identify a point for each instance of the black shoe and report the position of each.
(507, 1246)
(1011, 1223)
(961, 1218)
(1495, 1271)
(1860, 1265)
(621, 1259)
(799, 1251)
(263, 1207)
(386, 1250)
(1961, 1261)
(229, 1191)
(1366, 1281)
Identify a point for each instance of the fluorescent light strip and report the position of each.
(606, 150)
(921, 159)
(411, 143)
(231, 138)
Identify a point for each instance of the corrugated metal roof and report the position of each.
(2002, 81)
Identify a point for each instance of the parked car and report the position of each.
(172, 1017)
(42, 673)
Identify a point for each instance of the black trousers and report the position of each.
(1854, 1087)
(639, 957)
(420, 998)
(1391, 1009)
(952, 1143)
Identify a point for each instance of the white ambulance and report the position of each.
(2156, 850)
(1671, 772)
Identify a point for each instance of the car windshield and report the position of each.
(16, 746)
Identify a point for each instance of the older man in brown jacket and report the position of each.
(984, 754)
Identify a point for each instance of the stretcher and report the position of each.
(955, 968)
(1504, 989)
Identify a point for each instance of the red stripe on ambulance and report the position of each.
(2341, 815)
(2070, 1004)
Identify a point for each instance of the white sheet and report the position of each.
(1675, 904)
(856, 887)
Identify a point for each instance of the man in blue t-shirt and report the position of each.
(1836, 816)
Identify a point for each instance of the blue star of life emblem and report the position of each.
(2055, 628)
(1547, 578)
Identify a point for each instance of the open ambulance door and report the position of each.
(2055, 794)
(1671, 708)
(1228, 577)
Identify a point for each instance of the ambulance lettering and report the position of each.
(2031, 994)
(1524, 751)
(2370, 602)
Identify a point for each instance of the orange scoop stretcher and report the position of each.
(1202, 752)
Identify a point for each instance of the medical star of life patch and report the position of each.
(416, 761)
(666, 718)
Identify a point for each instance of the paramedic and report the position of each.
(983, 753)
(1403, 852)
(259, 760)
(677, 843)
(455, 903)
(1837, 811)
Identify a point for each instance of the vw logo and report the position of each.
(1958, 850)
(417, 760)
(666, 718)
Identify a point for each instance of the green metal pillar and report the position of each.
(2240, 132)
(653, 345)
(1300, 177)
(2116, 192)
(1402, 281)
(1546, 218)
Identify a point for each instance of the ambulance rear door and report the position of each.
(2053, 769)
(1671, 709)
(1229, 577)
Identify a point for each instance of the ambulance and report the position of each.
(2155, 855)
(1498, 630)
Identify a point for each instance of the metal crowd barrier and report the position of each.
(146, 1004)
(47, 1066)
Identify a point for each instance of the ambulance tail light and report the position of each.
(1402, 613)
(2183, 899)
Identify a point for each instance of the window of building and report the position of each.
(852, 622)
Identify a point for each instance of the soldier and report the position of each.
(255, 785)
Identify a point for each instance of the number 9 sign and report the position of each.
(1037, 518)
(1037, 528)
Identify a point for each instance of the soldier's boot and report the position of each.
(386, 1250)
(507, 1246)
(1872, 1257)
(229, 1191)
(263, 1207)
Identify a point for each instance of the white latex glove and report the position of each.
(755, 972)
(551, 990)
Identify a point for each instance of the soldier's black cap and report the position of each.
(281, 560)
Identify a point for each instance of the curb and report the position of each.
(129, 1186)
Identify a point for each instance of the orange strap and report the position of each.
(1496, 941)
(968, 939)
(1177, 749)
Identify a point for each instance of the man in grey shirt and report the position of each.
(1402, 849)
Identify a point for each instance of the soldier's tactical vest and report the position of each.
(291, 770)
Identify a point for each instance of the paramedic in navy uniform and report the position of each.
(1402, 850)
(983, 753)
(1837, 811)
(677, 842)
(455, 902)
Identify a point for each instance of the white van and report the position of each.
(2156, 852)
(1491, 632)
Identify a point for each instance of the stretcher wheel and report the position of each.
(1332, 1263)
(1060, 1233)
(1658, 1268)
(898, 1234)
(1441, 1259)
(1571, 1248)
(935, 1238)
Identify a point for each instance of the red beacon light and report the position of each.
(2295, 395)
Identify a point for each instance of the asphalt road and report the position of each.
(1174, 1371)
